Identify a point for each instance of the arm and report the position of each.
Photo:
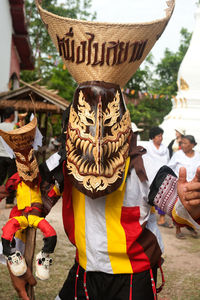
(10, 186)
(52, 184)
(189, 193)
(172, 195)
(20, 283)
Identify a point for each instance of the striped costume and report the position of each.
(118, 233)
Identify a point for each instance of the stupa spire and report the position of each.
(186, 105)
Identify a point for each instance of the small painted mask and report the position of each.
(97, 138)
(27, 166)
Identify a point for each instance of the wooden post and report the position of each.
(29, 255)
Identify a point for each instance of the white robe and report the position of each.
(179, 159)
(154, 159)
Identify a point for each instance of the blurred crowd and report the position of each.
(179, 153)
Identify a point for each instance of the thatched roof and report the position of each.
(45, 100)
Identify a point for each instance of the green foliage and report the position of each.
(62, 81)
(149, 112)
(44, 51)
(140, 80)
(167, 70)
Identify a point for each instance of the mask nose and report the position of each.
(98, 149)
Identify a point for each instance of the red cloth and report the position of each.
(15, 212)
(12, 182)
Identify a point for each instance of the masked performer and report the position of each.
(26, 183)
(106, 208)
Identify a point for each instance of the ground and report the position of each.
(181, 266)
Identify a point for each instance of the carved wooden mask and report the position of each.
(27, 166)
(97, 138)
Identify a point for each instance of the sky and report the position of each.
(132, 11)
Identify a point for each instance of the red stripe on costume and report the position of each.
(52, 193)
(46, 228)
(176, 223)
(67, 209)
(15, 212)
(10, 228)
(12, 182)
(130, 222)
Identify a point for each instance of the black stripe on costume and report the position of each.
(157, 182)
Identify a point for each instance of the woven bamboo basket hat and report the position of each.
(21, 138)
(110, 52)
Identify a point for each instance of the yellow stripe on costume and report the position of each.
(22, 221)
(79, 221)
(116, 238)
(21, 234)
(26, 195)
(56, 190)
(180, 220)
(33, 221)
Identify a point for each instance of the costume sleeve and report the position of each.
(50, 195)
(12, 183)
(163, 194)
(52, 184)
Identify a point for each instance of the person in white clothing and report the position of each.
(7, 165)
(157, 156)
(136, 130)
(186, 157)
(190, 159)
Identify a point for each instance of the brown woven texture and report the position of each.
(104, 34)
(21, 138)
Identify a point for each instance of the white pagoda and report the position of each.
(185, 113)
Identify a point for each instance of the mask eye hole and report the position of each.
(20, 156)
(107, 121)
(31, 156)
(90, 121)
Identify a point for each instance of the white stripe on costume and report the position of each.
(153, 227)
(96, 235)
(136, 195)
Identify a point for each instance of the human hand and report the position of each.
(3, 192)
(189, 193)
(20, 282)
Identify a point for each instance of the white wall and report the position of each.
(5, 44)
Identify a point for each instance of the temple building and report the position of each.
(185, 112)
(15, 51)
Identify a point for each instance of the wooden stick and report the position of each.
(29, 255)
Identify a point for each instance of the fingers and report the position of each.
(182, 175)
(197, 175)
(192, 186)
(192, 195)
(22, 294)
(194, 202)
(30, 278)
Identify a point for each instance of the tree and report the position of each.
(45, 53)
(141, 79)
(62, 81)
(151, 110)
(167, 70)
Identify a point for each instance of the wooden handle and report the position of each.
(29, 255)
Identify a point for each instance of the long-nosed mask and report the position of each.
(20, 141)
(27, 166)
(97, 138)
